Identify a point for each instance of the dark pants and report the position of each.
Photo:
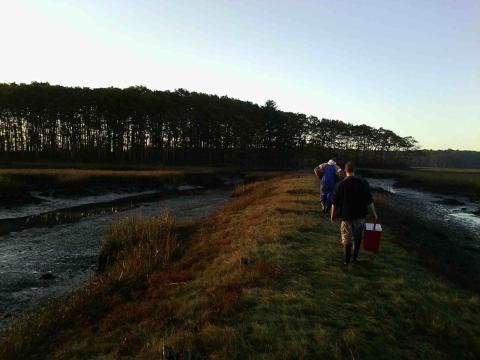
(326, 193)
(356, 248)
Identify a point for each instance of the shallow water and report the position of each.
(69, 251)
(51, 203)
(428, 205)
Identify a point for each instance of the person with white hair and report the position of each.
(328, 173)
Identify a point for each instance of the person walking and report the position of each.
(328, 174)
(351, 201)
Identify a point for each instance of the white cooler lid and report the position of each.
(369, 226)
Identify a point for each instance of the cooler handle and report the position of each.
(374, 224)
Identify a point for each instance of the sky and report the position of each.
(409, 66)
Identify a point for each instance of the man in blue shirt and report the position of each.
(328, 174)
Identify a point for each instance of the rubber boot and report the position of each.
(356, 249)
(348, 253)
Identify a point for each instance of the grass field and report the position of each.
(451, 181)
(261, 279)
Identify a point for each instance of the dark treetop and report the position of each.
(42, 121)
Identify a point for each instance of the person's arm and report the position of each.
(319, 170)
(336, 198)
(373, 211)
(340, 174)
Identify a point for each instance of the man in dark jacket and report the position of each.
(351, 201)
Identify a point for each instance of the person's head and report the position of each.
(331, 162)
(349, 168)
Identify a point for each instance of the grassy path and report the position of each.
(262, 280)
(388, 306)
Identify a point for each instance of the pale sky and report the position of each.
(409, 66)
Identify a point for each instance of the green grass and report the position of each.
(261, 279)
(451, 181)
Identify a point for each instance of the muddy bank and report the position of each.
(47, 250)
(76, 213)
(42, 263)
(453, 184)
(459, 212)
(443, 232)
(32, 190)
(53, 210)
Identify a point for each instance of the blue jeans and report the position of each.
(326, 195)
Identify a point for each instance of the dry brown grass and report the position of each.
(138, 234)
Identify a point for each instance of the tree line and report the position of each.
(43, 121)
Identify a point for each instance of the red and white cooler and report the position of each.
(372, 236)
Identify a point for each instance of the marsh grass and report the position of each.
(74, 178)
(65, 175)
(151, 236)
(16, 184)
(261, 279)
(14, 191)
(450, 181)
(8, 184)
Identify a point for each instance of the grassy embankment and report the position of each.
(261, 279)
(448, 181)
